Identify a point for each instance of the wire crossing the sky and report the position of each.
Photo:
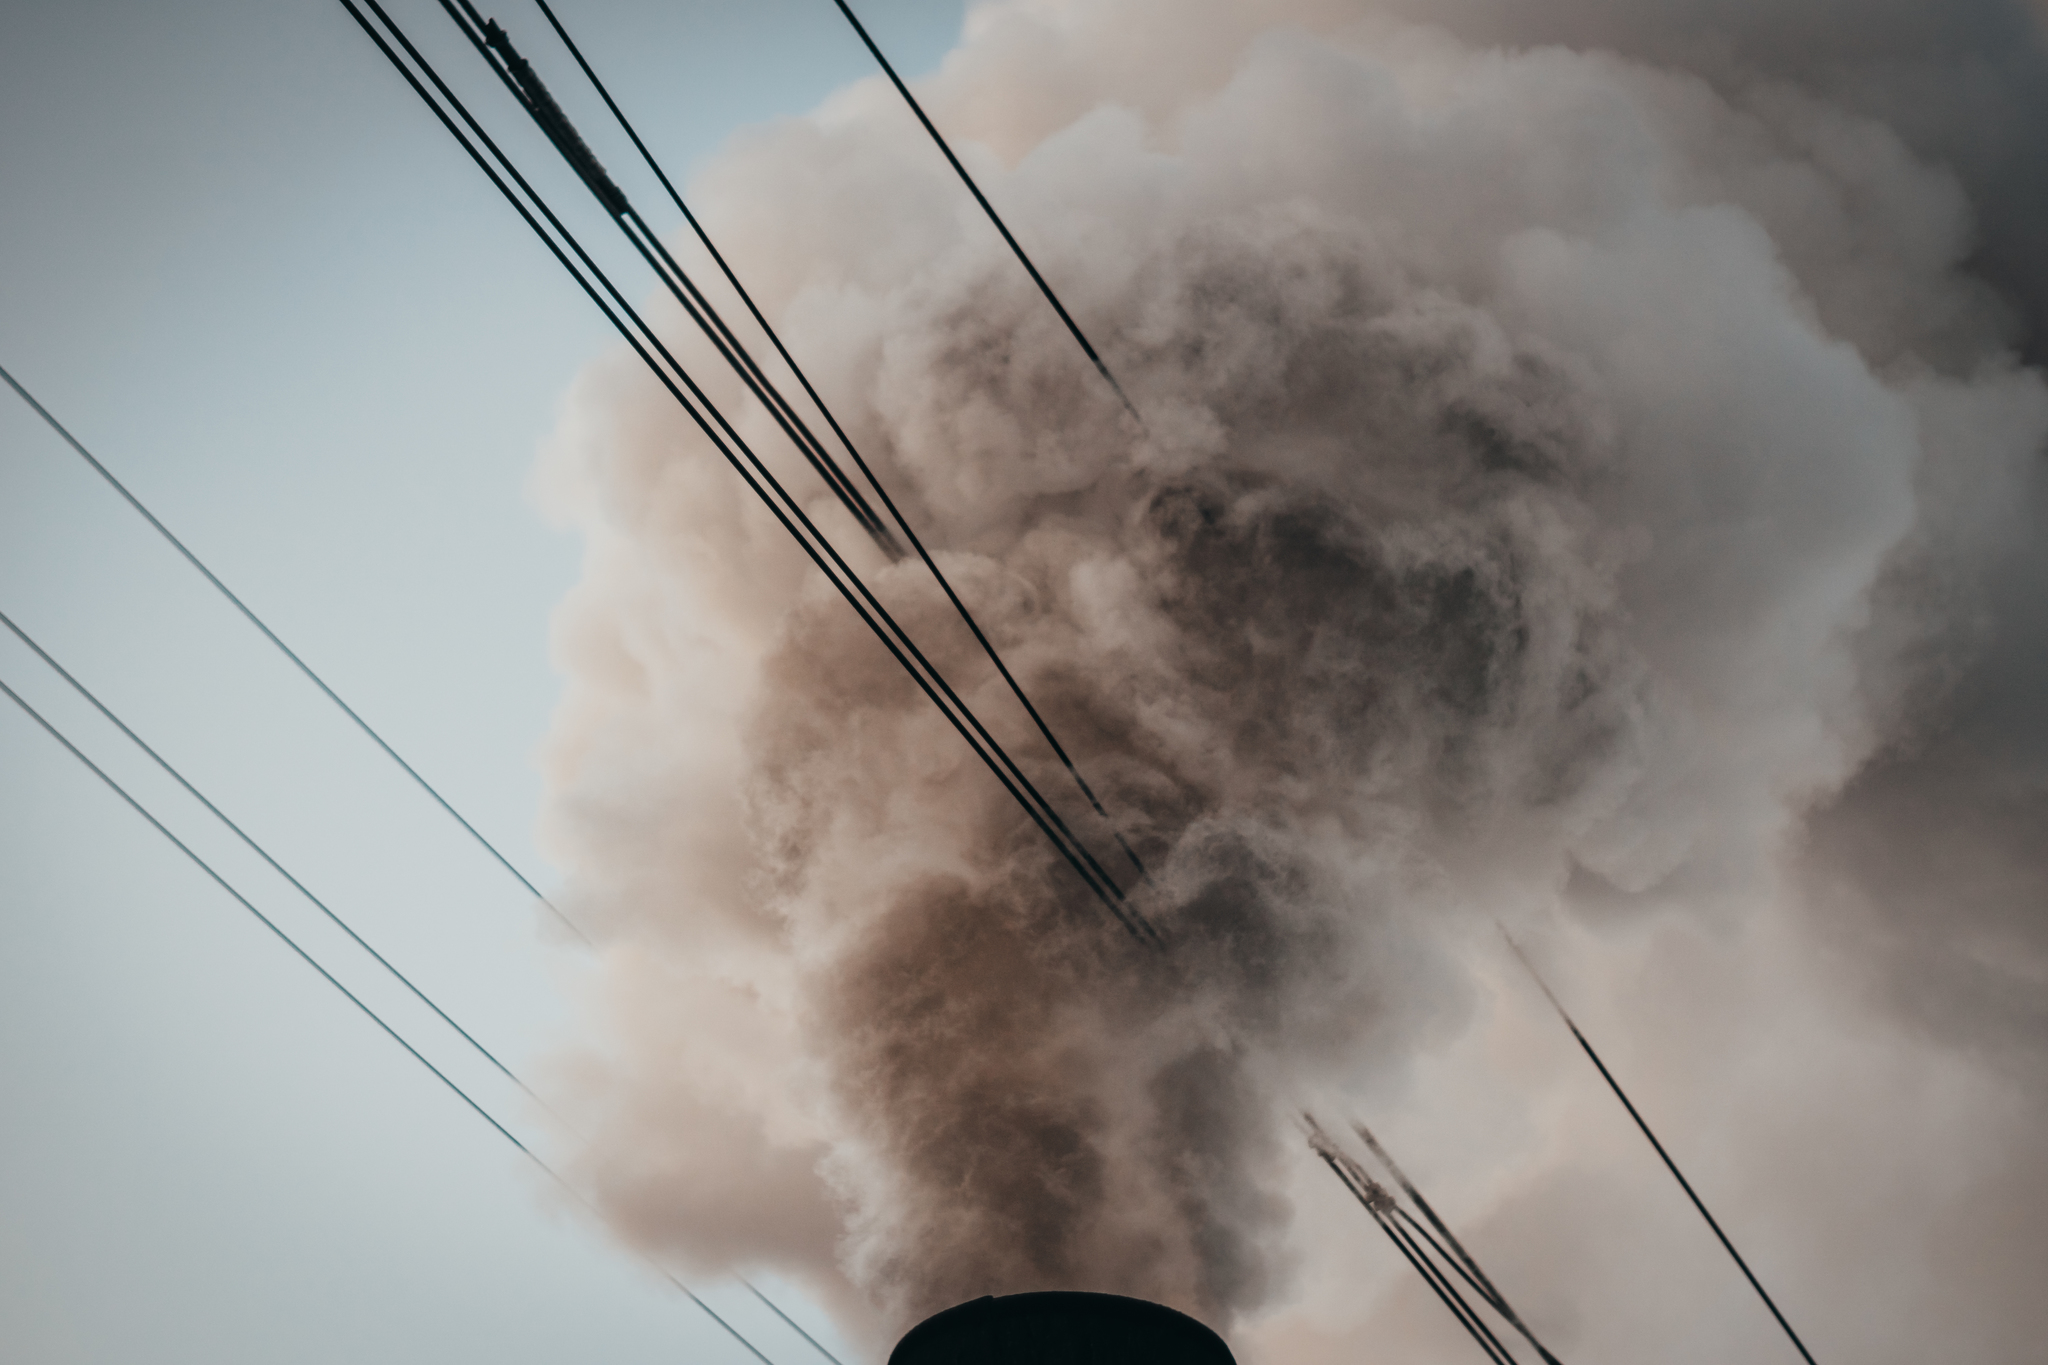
(760, 480)
(990, 209)
(1453, 1255)
(794, 1326)
(285, 649)
(351, 996)
(1385, 1211)
(1662, 1155)
(267, 922)
(494, 45)
(786, 510)
(775, 339)
(260, 851)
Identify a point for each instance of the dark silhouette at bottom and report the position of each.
(1060, 1329)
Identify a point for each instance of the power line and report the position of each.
(775, 339)
(1662, 1155)
(285, 649)
(260, 851)
(352, 997)
(785, 508)
(787, 512)
(1381, 1205)
(989, 209)
(494, 45)
(718, 257)
(265, 920)
(1455, 1255)
(776, 1309)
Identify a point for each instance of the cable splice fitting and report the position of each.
(548, 114)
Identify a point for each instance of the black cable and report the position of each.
(1417, 1230)
(358, 1002)
(990, 210)
(1663, 1155)
(1474, 1320)
(1452, 1301)
(494, 45)
(818, 401)
(1455, 1256)
(745, 297)
(794, 509)
(1401, 1178)
(261, 852)
(1480, 1285)
(735, 354)
(1112, 897)
(1379, 1204)
(286, 650)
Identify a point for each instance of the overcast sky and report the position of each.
(249, 272)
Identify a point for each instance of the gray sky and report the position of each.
(251, 274)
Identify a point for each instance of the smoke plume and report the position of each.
(1590, 481)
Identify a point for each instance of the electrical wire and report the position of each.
(494, 45)
(286, 650)
(988, 208)
(758, 478)
(1376, 1202)
(785, 508)
(781, 504)
(853, 451)
(1455, 1256)
(260, 851)
(776, 1309)
(1662, 1155)
(264, 919)
(352, 997)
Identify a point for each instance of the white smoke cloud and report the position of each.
(1566, 472)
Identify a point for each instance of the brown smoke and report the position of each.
(1562, 472)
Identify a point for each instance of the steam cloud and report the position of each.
(1592, 481)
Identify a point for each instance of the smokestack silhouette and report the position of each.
(1060, 1328)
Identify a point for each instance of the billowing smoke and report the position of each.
(1588, 475)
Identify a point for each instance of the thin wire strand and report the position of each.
(1662, 1155)
(1480, 1286)
(990, 210)
(359, 1003)
(262, 918)
(1443, 1254)
(1452, 1301)
(784, 508)
(1477, 1324)
(286, 650)
(817, 400)
(260, 851)
(494, 45)
(746, 298)
(817, 1345)
(1455, 1256)
(794, 509)
(1408, 1186)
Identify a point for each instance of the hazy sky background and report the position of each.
(248, 270)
